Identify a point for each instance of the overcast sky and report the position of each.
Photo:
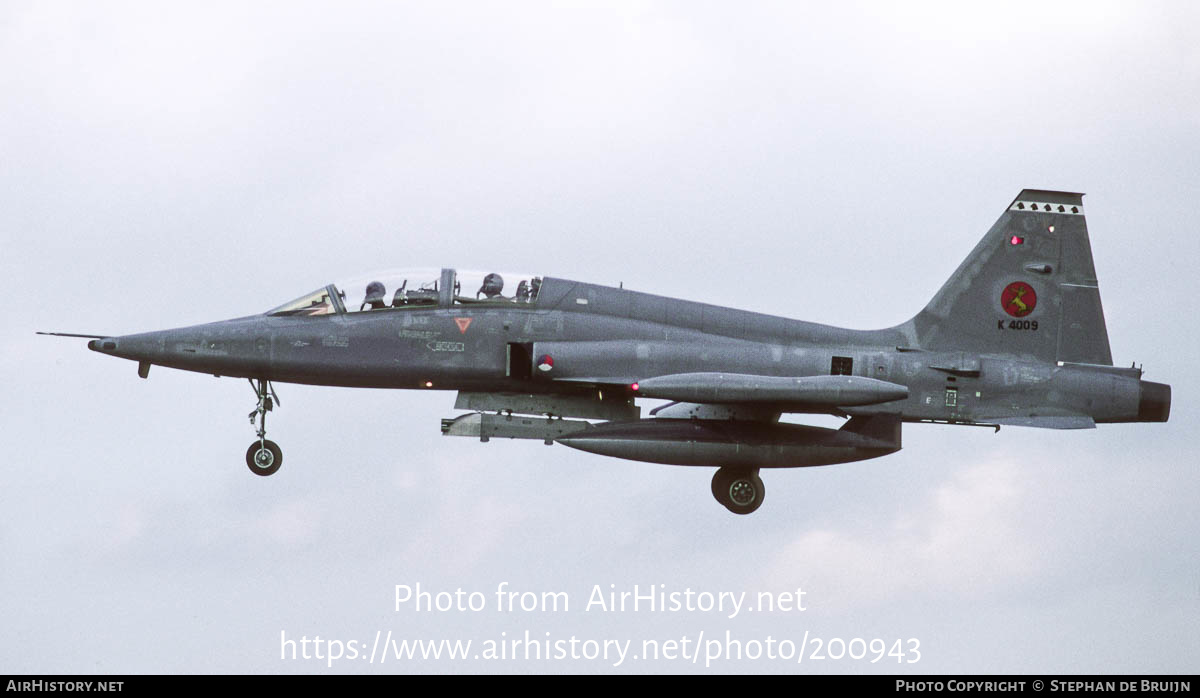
(165, 165)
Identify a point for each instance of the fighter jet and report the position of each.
(1016, 336)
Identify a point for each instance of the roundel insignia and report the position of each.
(1018, 299)
(545, 362)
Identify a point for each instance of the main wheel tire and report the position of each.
(264, 457)
(739, 491)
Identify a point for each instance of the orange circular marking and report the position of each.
(1018, 299)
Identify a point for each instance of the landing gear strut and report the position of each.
(264, 456)
(739, 490)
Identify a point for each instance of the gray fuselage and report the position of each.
(604, 337)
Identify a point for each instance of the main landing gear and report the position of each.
(739, 490)
(264, 456)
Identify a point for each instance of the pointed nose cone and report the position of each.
(237, 347)
(147, 346)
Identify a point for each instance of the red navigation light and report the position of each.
(634, 387)
(1017, 240)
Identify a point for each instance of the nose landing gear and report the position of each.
(264, 456)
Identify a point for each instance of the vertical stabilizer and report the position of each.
(1028, 288)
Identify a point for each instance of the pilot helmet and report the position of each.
(493, 284)
(375, 291)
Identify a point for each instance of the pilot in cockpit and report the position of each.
(493, 284)
(374, 298)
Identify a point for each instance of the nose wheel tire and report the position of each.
(264, 457)
(738, 490)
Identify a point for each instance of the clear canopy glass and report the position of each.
(414, 288)
(397, 288)
(319, 302)
(495, 287)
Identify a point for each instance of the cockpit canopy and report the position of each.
(415, 288)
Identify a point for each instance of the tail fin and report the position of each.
(1028, 288)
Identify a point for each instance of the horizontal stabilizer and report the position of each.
(1047, 422)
